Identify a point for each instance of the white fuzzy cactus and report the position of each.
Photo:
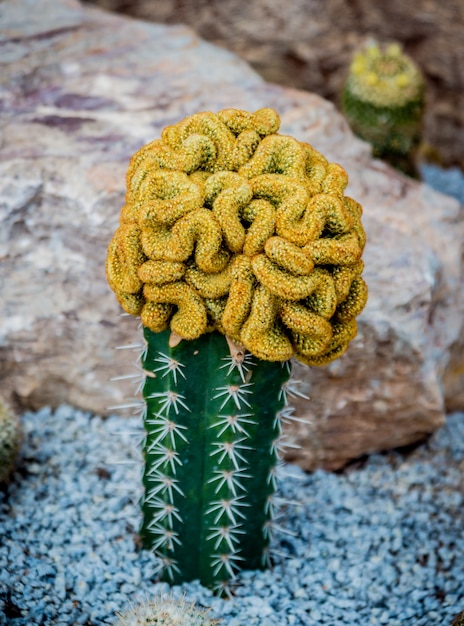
(165, 612)
(10, 439)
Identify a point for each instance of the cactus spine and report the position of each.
(211, 452)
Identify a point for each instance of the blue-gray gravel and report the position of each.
(449, 181)
(380, 543)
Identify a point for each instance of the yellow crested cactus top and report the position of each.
(230, 226)
(384, 76)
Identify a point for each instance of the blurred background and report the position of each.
(308, 44)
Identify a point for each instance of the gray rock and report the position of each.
(80, 91)
(308, 44)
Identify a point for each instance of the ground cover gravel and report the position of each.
(380, 543)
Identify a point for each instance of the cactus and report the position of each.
(239, 251)
(10, 439)
(383, 101)
(165, 612)
(458, 620)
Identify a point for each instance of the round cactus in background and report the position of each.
(10, 439)
(239, 250)
(383, 101)
(165, 612)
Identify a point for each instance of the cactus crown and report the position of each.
(384, 76)
(230, 226)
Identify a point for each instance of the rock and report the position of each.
(81, 91)
(308, 44)
(390, 385)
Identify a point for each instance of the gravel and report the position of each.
(449, 181)
(380, 543)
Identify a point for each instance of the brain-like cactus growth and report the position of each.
(239, 250)
(165, 612)
(10, 440)
(383, 101)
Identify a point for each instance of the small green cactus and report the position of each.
(10, 439)
(458, 620)
(165, 612)
(239, 250)
(383, 102)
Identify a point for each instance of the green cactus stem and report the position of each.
(213, 422)
(383, 102)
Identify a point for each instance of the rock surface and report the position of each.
(80, 91)
(308, 44)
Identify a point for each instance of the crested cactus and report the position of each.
(10, 439)
(383, 101)
(239, 251)
(165, 612)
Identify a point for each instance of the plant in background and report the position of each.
(383, 101)
(165, 612)
(458, 620)
(10, 440)
(239, 250)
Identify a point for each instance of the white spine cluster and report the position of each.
(228, 511)
(279, 446)
(165, 434)
(165, 611)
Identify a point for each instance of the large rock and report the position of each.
(308, 44)
(81, 90)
